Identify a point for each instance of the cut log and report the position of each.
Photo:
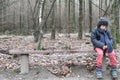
(24, 64)
(4, 51)
(48, 51)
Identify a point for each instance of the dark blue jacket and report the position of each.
(95, 38)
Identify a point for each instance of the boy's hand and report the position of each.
(105, 47)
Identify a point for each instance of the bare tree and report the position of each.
(40, 36)
(84, 12)
(69, 26)
(53, 22)
(118, 22)
(60, 26)
(80, 28)
(113, 17)
(90, 16)
(1, 13)
(74, 18)
(35, 18)
(100, 6)
(66, 15)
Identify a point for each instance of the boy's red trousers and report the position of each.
(100, 54)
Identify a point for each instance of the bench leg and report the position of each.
(24, 61)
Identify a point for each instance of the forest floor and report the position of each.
(9, 66)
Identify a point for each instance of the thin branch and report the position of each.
(95, 6)
(34, 11)
(50, 11)
(35, 8)
(105, 13)
(99, 7)
(7, 4)
(30, 6)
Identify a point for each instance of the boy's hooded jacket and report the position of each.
(100, 38)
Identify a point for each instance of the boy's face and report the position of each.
(103, 27)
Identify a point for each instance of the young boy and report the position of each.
(103, 42)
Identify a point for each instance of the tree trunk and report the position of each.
(42, 15)
(119, 17)
(28, 18)
(14, 22)
(53, 23)
(80, 19)
(60, 26)
(4, 12)
(84, 13)
(118, 22)
(113, 20)
(40, 25)
(23, 29)
(99, 8)
(35, 19)
(90, 15)
(66, 16)
(40, 36)
(20, 17)
(69, 26)
(1, 19)
(74, 17)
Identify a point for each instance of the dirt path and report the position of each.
(40, 73)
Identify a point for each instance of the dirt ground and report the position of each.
(40, 73)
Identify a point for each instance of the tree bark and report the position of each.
(80, 28)
(69, 26)
(14, 22)
(90, 16)
(84, 13)
(1, 19)
(118, 22)
(20, 17)
(99, 8)
(40, 34)
(60, 26)
(35, 18)
(113, 21)
(66, 16)
(53, 24)
(74, 18)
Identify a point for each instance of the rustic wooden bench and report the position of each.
(24, 56)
